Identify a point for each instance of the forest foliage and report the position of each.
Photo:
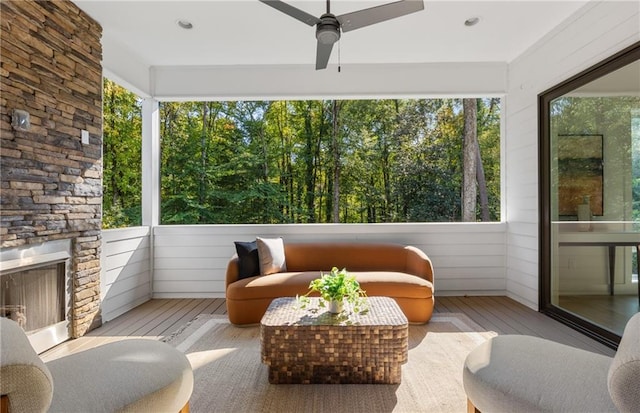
(121, 157)
(311, 161)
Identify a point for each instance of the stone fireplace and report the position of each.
(51, 164)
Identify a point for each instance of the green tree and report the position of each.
(470, 162)
(321, 161)
(122, 159)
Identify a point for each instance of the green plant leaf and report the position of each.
(337, 285)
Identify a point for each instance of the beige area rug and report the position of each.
(229, 375)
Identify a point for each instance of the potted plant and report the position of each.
(334, 288)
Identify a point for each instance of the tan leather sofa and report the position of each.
(401, 272)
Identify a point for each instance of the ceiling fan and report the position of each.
(329, 26)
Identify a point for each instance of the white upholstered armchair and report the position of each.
(513, 373)
(130, 375)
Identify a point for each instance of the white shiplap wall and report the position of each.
(126, 270)
(595, 32)
(191, 260)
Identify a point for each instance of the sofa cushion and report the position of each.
(352, 256)
(271, 255)
(292, 283)
(248, 263)
(394, 284)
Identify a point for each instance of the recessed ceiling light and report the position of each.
(185, 24)
(471, 21)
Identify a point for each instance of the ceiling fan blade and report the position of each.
(294, 12)
(366, 17)
(323, 53)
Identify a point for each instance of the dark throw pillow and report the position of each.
(248, 262)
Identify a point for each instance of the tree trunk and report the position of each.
(470, 144)
(482, 187)
(203, 159)
(309, 164)
(115, 191)
(335, 149)
(283, 167)
(329, 202)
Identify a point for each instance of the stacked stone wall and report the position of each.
(51, 183)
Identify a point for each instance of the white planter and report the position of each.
(335, 306)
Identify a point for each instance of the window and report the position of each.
(320, 161)
(122, 137)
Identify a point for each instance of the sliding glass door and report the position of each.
(590, 197)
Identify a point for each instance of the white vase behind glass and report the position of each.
(584, 214)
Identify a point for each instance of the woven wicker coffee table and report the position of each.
(314, 346)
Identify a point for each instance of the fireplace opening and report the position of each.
(35, 291)
(34, 298)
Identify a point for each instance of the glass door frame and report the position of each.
(620, 59)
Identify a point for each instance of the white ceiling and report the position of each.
(247, 32)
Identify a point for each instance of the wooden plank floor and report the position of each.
(609, 311)
(157, 318)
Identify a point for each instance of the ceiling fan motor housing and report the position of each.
(328, 30)
(329, 27)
